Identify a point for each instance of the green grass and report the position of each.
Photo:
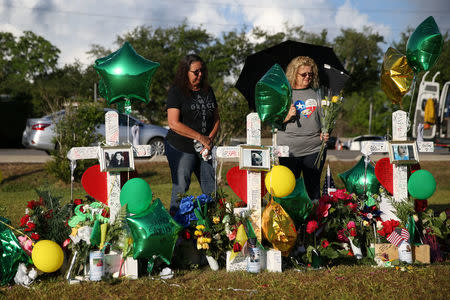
(341, 282)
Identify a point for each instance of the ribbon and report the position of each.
(95, 213)
(411, 226)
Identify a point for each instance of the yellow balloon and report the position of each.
(280, 181)
(47, 256)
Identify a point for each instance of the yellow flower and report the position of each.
(208, 240)
(205, 246)
(198, 233)
(199, 246)
(200, 227)
(335, 99)
(365, 223)
(216, 220)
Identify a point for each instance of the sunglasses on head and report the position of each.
(197, 72)
(305, 74)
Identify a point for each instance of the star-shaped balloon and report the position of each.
(273, 96)
(355, 180)
(154, 233)
(396, 75)
(424, 46)
(125, 74)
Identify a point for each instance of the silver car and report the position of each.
(39, 133)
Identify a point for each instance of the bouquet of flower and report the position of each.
(329, 112)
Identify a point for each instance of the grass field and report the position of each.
(341, 282)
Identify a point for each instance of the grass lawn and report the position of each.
(341, 282)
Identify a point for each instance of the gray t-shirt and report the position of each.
(302, 135)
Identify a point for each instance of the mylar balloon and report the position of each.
(125, 74)
(421, 184)
(154, 232)
(280, 181)
(47, 256)
(424, 46)
(273, 96)
(297, 204)
(355, 181)
(396, 75)
(137, 194)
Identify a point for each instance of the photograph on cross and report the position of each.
(254, 158)
(116, 159)
(404, 152)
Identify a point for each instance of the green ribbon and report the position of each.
(82, 217)
(411, 226)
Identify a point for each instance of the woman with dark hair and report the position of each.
(193, 117)
(302, 130)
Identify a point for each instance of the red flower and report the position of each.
(350, 253)
(49, 214)
(24, 220)
(41, 201)
(341, 236)
(325, 243)
(388, 227)
(351, 224)
(311, 226)
(32, 204)
(353, 206)
(237, 247)
(77, 201)
(420, 205)
(352, 231)
(30, 226)
(327, 199)
(105, 213)
(322, 210)
(35, 236)
(187, 234)
(341, 194)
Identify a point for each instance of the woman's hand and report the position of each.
(324, 136)
(292, 112)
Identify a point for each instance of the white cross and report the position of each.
(400, 172)
(113, 178)
(253, 178)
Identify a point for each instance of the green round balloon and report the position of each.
(154, 233)
(125, 74)
(424, 46)
(356, 182)
(137, 194)
(273, 96)
(421, 184)
(297, 204)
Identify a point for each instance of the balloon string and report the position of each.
(14, 229)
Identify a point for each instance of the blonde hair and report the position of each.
(291, 70)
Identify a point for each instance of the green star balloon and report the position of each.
(154, 233)
(125, 74)
(424, 46)
(354, 179)
(273, 96)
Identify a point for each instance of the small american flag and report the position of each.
(398, 236)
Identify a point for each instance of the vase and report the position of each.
(356, 250)
(405, 252)
(316, 260)
(212, 263)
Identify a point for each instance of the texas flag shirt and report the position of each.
(302, 134)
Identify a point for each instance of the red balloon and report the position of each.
(237, 180)
(95, 184)
(383, 172)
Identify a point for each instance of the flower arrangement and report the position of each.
(329, 112)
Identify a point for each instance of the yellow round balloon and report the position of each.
(47, 256)
(280, 181)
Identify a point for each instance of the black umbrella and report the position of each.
(336, 79)
(257, 64)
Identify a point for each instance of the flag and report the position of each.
(398, 236)
(328, 185)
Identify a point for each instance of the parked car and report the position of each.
(354, 144)
(39, 133)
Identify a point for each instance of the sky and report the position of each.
(73, 26)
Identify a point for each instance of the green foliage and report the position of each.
(75, 129)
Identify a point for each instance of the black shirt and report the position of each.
(196, 112)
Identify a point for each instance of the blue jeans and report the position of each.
(182, 165)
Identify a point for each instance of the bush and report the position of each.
(75, 129)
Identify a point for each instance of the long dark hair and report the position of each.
(181, 78)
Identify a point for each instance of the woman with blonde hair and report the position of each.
(302, 125)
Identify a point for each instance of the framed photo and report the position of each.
(403, 152)
(116, 159)
(254, 158)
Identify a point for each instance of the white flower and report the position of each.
(379, 225)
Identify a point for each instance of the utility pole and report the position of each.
(370, 116)
(95, 92)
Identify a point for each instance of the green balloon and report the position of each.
(137, 194)
(424, 46)
(354, 179)
(125, 74)
(421, 184)
(297, 204)
(154, 233)
(273, 96)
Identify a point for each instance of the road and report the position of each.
(37, 156)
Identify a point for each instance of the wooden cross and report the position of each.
(253, 178)
(113, 178)
(400, 172)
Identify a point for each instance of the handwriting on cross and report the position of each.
(113, 178)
